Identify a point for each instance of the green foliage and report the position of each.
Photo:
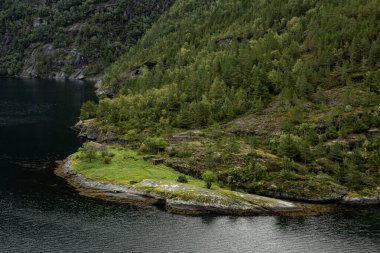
(331, 133)
(88, 110)
(277, 67)
(220, 66)
(335, 153)
(233, 146)
(287, 164)
(89, 151)
(235, 178)
(154, 145)
(373, 80)
(132, 136)
(288, 147)
(182, 179)
(209, 177)
(98, 31)
(107, 159)
(260, 172)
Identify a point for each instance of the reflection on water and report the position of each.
(39, 213)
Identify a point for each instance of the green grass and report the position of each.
(125, 168)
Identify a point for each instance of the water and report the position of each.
(40, 213)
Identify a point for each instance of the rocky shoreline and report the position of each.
(174, 197)
(163, 195)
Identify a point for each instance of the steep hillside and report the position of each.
(70, 38)
(276, 97)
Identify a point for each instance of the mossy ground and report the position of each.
(125, 168)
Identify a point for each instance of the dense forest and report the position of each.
(70, 38)
(276, 97)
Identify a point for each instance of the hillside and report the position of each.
(70, 38)
(279, 98)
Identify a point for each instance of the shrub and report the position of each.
(331, 133)
(289, 175)
(154, 145)
(104, 152)
(233, 146)
(88, 110)
(335, 153)
(255, 187)
(132, 136)
(359, 126)
(182, 179)
(107, 160)
(209, 177)
(312, 137)
(288, 147)
(260, 171)
(234, 178)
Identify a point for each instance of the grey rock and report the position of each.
(363, 200)
(39, 22)
(88, 129)
(373, 133)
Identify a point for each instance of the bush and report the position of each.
(132, 136)
(312, 137)
(209, 177)
(235, 179)
(104, 152)
(154, 145)
(88, 110)
(359, 126)
(260, 171)
(288, 147)
(331, 133)
(107, 160)
(182, 179)
(255, 187)
(335, 153)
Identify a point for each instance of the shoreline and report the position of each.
(251, 205)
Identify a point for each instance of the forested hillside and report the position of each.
(70, 38)
(284, 94)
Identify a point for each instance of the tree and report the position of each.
(234, 178)
(202, 111)
(89, 151)
(209, 177)
(217, 89)
(88, 110)
(288, 147)
(154, 145)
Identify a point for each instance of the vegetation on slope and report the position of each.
(51, 38)
(285, 94)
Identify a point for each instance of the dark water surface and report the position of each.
(39, 213)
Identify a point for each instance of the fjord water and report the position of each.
(40, 213)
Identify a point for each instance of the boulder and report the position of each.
(88, 129)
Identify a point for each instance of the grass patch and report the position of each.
(126, 168)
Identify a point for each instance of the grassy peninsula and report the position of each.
(118, 174)
(124, 167)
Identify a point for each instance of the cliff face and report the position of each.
(70, 39)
